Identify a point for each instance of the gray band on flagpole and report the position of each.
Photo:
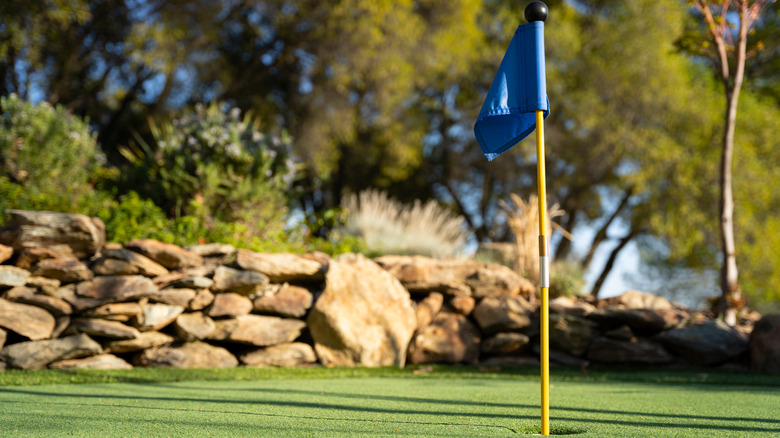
(544, 271)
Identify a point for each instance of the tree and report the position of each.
(727, 38)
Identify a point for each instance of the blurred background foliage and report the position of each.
(252, 122)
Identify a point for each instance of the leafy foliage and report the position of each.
(213, 164)
(49, 160)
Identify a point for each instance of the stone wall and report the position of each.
(68, 300)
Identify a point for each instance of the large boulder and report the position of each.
(34, 355)
(166, 254)
(187, 355)
(281, 267)
(29, 321)
(67, 234)
(450, 338)
(257, 330)
(283, 355)
(710, 343)
(645, 321)
(423, 275)
(504, 314)
(765, 345)
(363, 317)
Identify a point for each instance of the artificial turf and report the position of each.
(389, 403)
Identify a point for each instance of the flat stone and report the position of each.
(104, 328)
(193, 282)
(570, 306)
(463, 305)
(65, 270)
(421, 274)
(238, 281)
(229, 304)
(166, 254)
(29, 321)
(257, 330)
(157, 316)
(62, 324)
(11, 276)
(98, 362)
(450, 338)
(504, 343)
(104, 266)
(187, 355)
(143, 341)
(43, 284)
(281, 267)
(28, 295)
(29, 257)
(144, 265)
(285, 300)
(194, 326)
(115, 311)
(503, 314)
(67, 234)
(283, 355)
(35, 355)
(203, 298)
(116, 288)
(634, 299)
(212, 250)
(174, 296)
(643, 321)
(3, 337)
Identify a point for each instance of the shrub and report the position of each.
(386, 226)
(48, 158)
(214, 165)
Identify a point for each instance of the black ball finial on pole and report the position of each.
(536, 11)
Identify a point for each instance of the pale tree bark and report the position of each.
(720, 32)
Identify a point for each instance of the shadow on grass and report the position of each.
(410, 410)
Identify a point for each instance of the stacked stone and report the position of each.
(68, 300)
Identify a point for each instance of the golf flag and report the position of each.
(518, 91)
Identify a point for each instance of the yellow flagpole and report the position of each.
(544, 272)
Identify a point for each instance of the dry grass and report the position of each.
(523, 221)
(387, 226)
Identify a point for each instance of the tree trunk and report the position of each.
(611, 263)
(601, 234)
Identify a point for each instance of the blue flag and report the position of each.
(518, 91)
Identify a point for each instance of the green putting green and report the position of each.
(387, 406)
